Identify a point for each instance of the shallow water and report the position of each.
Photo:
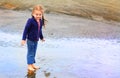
(62, 58)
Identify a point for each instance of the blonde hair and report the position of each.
(40, 8)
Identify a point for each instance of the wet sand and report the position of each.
(74, 47)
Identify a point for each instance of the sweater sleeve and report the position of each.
(26, 29)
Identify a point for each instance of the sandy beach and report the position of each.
(74, 47)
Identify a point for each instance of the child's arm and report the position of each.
(41, 36)
(27, 26)
(25, 32)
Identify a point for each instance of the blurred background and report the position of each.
(92, 9)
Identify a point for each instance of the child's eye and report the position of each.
(38, 14)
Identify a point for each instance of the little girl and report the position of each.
(32, 33)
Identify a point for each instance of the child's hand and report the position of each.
(23, 42)
(43, 40)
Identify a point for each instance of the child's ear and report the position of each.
(32, 15)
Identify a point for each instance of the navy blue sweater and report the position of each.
(31, 30)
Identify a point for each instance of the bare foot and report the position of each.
(35, 67)
(30, 68)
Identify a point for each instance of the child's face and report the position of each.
(37, 14)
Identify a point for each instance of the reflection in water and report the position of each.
(47, 74)
(31, 74)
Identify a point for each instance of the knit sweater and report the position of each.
(31, 31)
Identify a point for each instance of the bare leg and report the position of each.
(35, 67)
